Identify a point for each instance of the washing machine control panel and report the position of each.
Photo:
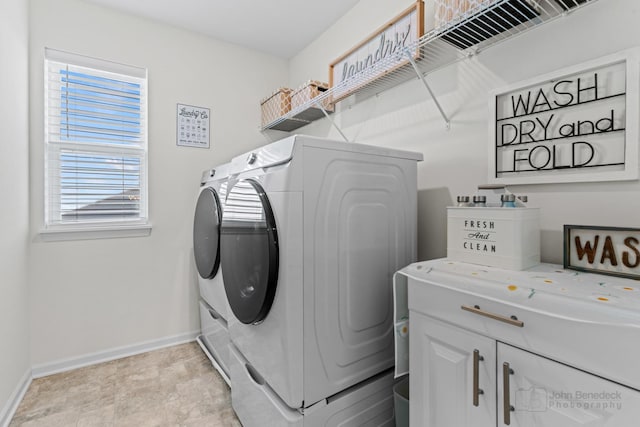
(206, 175)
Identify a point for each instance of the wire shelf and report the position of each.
(486, 25)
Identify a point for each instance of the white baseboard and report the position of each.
(115, 353)
(6, 414)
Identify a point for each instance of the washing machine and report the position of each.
(312, 232)
(213, 303)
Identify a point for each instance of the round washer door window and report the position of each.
(249, 245)
(206, 233)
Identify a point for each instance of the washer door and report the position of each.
(249, 245)
(206, 233)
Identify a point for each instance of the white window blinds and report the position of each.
(96, 142)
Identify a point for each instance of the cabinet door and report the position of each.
(545, 393)
(453, 375)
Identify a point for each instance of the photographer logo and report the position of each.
(538, 399)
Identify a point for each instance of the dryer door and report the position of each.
(206, 233)
(249, 245)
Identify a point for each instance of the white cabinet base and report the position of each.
(547, 347)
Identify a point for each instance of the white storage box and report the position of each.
(507, 238)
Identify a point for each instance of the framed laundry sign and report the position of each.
(377, 55)
(606, 250)
(578, 124)
(192, 126)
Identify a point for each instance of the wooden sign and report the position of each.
(575, 125)
(606, 250)
(374, 57)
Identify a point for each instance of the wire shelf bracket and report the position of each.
(447, 122)
(333, 123)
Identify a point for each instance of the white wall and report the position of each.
(94, 295)
(456, 160)
(14, 190)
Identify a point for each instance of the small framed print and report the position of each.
(606, 250)
(192, 126)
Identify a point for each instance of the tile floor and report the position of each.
(174, 386)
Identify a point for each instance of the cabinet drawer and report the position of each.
(446, 304)
(370, 403)
(253, 400)
(568, 338)
(215, 335)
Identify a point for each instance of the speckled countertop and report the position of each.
(526, 287)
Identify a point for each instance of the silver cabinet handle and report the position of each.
(506, 392)
(513, 320)
(477, 391)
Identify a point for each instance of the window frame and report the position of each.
(58, 229)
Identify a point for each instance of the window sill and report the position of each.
(55, 234)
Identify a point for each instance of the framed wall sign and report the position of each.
(192, 126)
(578, 124)
(606, 250)
(373, 57)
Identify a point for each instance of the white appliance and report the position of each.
(312, 232)
(214, 307)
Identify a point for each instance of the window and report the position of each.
(95, 143)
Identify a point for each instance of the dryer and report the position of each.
(214, 307)
(312, 232)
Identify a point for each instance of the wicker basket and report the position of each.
(307, 92)
(276, 105)
(448, 10)
(481, 20)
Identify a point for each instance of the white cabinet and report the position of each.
(452, 376)
(492, 348)
(545, 393)
(458, 379)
